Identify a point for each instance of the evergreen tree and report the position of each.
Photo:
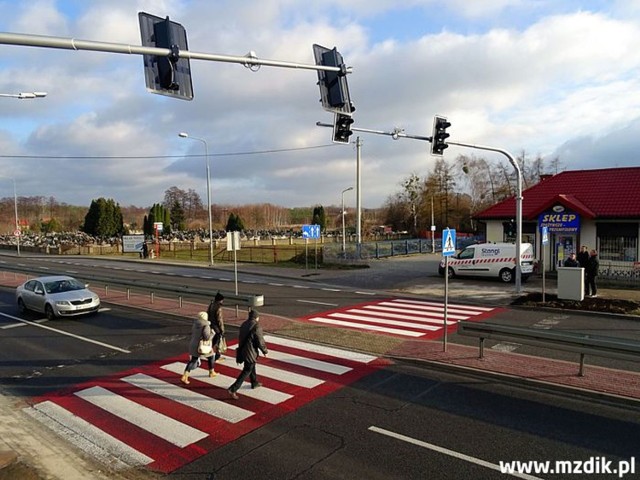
(319, 217)
(104, 219)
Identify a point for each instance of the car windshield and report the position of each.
(60, 286)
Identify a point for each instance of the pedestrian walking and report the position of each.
(217, 325)
(592, 270)
(200, 332)
(571, 261)
(583, 256)
(250, 344)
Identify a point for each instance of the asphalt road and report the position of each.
(403, 421)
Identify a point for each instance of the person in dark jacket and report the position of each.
(571, 261)
(591, 272)
(583, 256)
(217, 323)
(250, 344)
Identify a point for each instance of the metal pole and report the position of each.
(76, 44)
(15, 206)
(344, 247)
(446, 300)
(433, 231)
(358, 195)
(206, 150)
(513, 162)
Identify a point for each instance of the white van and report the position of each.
(490, 260)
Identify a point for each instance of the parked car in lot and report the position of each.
(56, 296)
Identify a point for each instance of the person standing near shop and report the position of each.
(583, 256)
(571, 261)
(250, 343)
(591, 272)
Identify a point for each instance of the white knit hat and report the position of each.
(203, 316)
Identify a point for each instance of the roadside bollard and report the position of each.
(180, 301)
(106, 290)
(128, 293)
(151, 294)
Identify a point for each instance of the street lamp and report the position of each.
(15, 206)
(343, 227)
(24, 95)
(206, 149)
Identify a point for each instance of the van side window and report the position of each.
(466, 253)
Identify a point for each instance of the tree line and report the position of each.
(449, 195)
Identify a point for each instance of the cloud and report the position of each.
(549, 78)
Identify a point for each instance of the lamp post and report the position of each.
(15, 207)
(206, 150)
(344, 246)
(24, 95)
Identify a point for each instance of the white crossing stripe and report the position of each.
(367, 326)
(472, 308)
(291, 378)
(154, 422)
(79, 431)
(383, 320)
(429, 317)
(311, 347)
(311, 363)
(402, 317)
(208, 405)
(263, 394)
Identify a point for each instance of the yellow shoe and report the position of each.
(220, 360)
(185, 379)
(212, 373)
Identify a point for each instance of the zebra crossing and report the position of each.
(402, 317)
(147, 417)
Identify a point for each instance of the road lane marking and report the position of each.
(78, 431)
(318, 303)
(368, 326)
(446, 451)
(264, 394)
(160, 425)
(195, 400)
(310, 347)
(62, 332)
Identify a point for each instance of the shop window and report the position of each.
(618, 242)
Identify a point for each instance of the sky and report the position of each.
(545, 77)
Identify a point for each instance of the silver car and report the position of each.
(56, 296)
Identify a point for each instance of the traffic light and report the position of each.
(166, 75)
(440, 135)
(334, 90)
(342, 128)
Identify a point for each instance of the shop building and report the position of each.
(597, 208)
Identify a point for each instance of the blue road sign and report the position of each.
(311, 231)
(545, 235)
(448, 242)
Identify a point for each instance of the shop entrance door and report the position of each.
(565, 245)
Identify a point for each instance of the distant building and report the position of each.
(597, 208)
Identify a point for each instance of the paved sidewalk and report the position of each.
(598, 381)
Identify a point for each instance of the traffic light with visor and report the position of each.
(440, 135)
(342, 128)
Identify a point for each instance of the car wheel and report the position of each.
(48, 311)
(451, 273)
(22, 308)
(506, 275)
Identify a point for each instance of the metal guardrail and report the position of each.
(583, 344)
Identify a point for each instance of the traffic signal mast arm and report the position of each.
(73, 44)
(396, 133)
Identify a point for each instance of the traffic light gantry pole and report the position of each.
(399, 133)
(28, 40)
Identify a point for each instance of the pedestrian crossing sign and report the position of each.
(448, 242)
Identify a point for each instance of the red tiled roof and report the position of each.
(600, 193)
